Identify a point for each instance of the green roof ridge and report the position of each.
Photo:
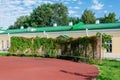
(78, 26)
(102, 26)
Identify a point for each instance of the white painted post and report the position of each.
(86, 31)
(9, 39)
(45, 34)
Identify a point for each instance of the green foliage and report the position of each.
(41, 16)
(91, 60)
(110, 18)
(76, 53)
(51, 47)
(105, 38)
(3, 54)
(81, 47)
(37, 43)
(48, 14)
(22, 55)
(88, 17)
(44, 15)
(75, 20)
(19, 45)
(85, 41)
(59, 14)
(21, 21)
(93, 42)
(109, 70)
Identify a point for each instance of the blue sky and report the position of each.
(10, 10)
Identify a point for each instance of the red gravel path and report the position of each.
(16, 68)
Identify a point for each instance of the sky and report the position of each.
(10, 10)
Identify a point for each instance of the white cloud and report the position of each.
(6, 20)
(10, 10)
(48, 2)
(14, 2)
(105, 11)
(66, 2)
(82, 11)
(76, 15)
(76, 7)
(70, 7)
(74, 0)
(29, 2)
(79, 2)
(97, 5)
(72, 12)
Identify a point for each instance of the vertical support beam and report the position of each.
(86, 31)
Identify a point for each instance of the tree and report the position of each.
(11, 27)
(41, 16)
(101, 19)
(21, 21)
(59, 14)
(88, 17)
(110, 18)
(48, 14)
(44, 15)
(75, 20)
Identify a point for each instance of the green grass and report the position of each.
(109, 70)
(22, 55)
(3, 54)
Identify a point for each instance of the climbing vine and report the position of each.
(105, 38)
(19, 44)
(83, 46)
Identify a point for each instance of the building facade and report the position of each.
(75, 31)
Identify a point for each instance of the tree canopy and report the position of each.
(88, 17)
(110, 18)
(41, 16)
(75, 20)
(59, 14)
(48, 14)
(44, 15)
(21, 21)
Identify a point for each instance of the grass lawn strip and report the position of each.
(109, 70)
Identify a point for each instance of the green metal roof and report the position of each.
(51, 29)
(13, 31)
(102, 26)
(79, 26)
(30, 30)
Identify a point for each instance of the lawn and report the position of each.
(109, 70)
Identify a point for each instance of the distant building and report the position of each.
(74, 31)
